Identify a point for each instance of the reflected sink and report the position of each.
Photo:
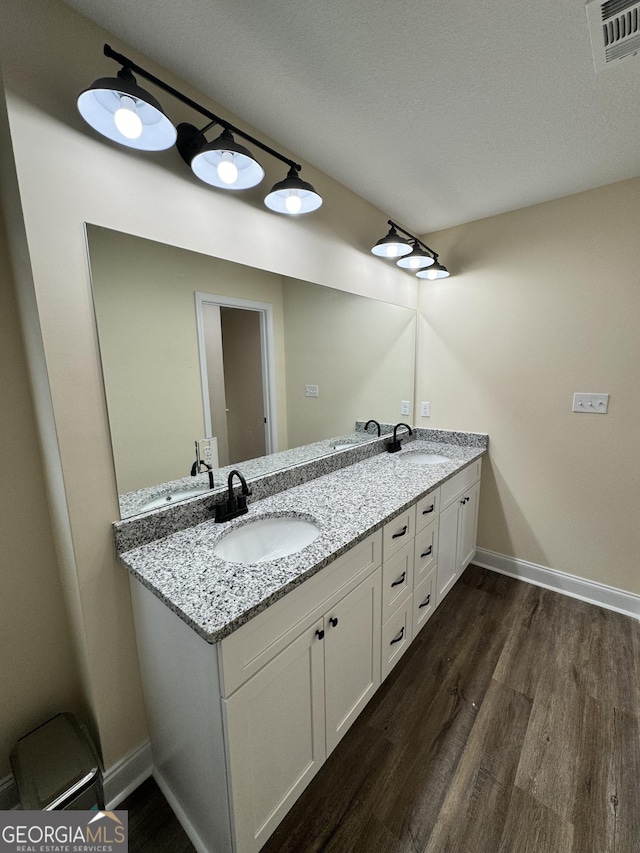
(422, 458)
(171, 497)
(266, 539)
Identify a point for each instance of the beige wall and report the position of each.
(545, 301)
(48, 54)
(144, 293)
(39, 675)
(326, 332)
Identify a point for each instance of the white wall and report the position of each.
(48, 54)
(545, 301)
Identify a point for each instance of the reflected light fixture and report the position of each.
(410, 253)
(123, 112)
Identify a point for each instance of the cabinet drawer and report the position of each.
(450, 490)
(254, 644)
(396, 636)
(396, 533)
(425, 600)
(427, 509)
(397, 579)
(426, 550)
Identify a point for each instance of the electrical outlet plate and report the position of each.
(206, 453)
(425, 410)
(310, 390)
(594, 404)
(405, 407)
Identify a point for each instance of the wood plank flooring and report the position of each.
(512, 725)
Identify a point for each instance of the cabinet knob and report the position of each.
(320, 634)
(428, 510)
(334, 621)
(398, 638)
(425, 602)
(402, 533)
(400, 579)
(427, 552)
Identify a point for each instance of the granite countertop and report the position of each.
(215, 597)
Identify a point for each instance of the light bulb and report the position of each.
(392, 251)
(414, 263)
(127, 119)
(432, 275)
(227, 169)
(293, 203)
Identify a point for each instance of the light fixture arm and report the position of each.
(213, 118)
(413, 237)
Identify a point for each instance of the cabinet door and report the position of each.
(276, 737)
(468, 528)
(352, 656)
(447, 547)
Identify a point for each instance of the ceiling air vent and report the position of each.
(615, 30)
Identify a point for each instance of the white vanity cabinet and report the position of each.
(458, 525)
(239, 728)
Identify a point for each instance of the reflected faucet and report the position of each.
(396, 445)
(196, 468)
(366, 426)
(233, 506)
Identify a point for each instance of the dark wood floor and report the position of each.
(512, 725)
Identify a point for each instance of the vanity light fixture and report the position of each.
(122, 111)
(410, 253)
(436, 270)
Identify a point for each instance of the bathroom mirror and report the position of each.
(193, 345)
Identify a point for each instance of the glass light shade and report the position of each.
(226, 164)
(417, 259)
(392, 246)
(101, 106)
(293, 196)
(435, 271)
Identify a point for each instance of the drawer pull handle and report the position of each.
(320, 634)
(428, 551)
(400, 580)
(334, 621)
(398, 638)
(427, 511)
(402, 533)
(425, 602)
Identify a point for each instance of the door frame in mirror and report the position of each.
(267, 346)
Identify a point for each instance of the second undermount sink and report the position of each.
(266, 539)
(422, 458)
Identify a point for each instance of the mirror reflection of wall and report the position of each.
(360, 353)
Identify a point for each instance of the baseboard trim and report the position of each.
(127, 774)
(179, 812)
(576, 587)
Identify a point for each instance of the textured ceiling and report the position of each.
(437, 113)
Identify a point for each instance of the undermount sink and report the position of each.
(266, 539)
(171, 497)
(422, 458)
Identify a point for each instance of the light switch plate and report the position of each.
(594, 404)
(310, 390)
(425, 410)
(405, 406)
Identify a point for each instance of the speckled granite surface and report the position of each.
(176, 515)
(216, 597)
(134, 503)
